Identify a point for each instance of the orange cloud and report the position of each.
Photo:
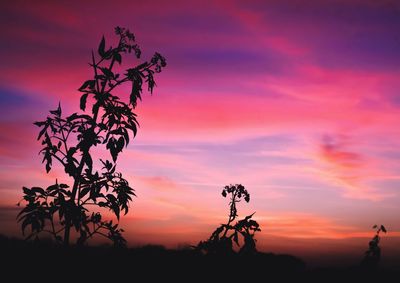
(159, 183)
(347, 169)
(332, 150)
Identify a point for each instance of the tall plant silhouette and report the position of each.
(221, 240)
(373, 254)
(60, 208)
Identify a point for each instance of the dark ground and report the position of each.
(41, 262)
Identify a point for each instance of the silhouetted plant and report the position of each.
(373, 254)
(221, 239)
(69, 141)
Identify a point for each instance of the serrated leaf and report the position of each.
(83, 101)
(102, 46)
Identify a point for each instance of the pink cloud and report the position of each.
(349, 170)
(160, 183)
(332, 150)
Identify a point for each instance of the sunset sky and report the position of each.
(297, 100)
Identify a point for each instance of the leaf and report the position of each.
(120, 144)
(88, 160)
(150, 81)
(375, 226)
(48, 165)
(57, 112)
(39, 124)
(27, 191)
(42, 131)
(126, 136)
(86, 84)
(107, 72)
(116, 211)
(75, 116)
(102, 46)
(52, 188)
(136, 77)
(111, 145)
(84, 192)
(83, 101)
(102, 204)
(38, 190)
(383, 229)
(118, 58)
(224, 193)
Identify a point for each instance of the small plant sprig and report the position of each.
(221, 240)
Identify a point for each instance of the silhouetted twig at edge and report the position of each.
(373, 254)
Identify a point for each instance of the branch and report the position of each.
(63, 136)
(95, 72)
(58, 158)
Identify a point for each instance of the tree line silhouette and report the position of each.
(61, 210)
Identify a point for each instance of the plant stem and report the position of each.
(78, 175)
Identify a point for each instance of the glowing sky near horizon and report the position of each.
(297, 100)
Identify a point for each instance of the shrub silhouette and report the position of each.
(69, 140)
(220, 241)
(373, 254)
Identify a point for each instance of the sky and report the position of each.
(296, 100)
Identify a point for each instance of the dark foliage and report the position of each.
(69, 140)
(221, 240)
